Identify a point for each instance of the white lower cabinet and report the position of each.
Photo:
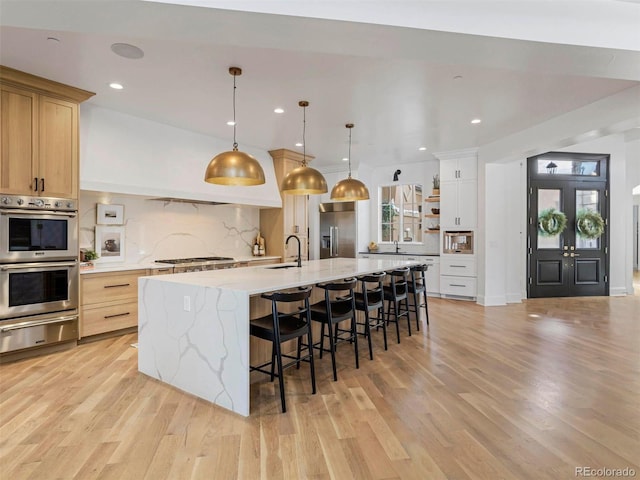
(458, 277)
(432, 275)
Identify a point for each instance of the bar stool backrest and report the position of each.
(372, 291)
(302, 294)
(418, 275)
(399, 279)
(339, 298)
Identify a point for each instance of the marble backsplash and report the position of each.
(157, 229)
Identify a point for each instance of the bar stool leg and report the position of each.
(332, 347)
(354, 335)
(416, 306)
(406, 304)
(367, 332)
(273, 360)
(280, 375)
(384, 326)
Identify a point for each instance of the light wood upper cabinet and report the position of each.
(292, 219)
(58, 148)
(18, 121)
(39, 149)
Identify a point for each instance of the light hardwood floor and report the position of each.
(527, 391)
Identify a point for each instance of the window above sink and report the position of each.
(400, 213)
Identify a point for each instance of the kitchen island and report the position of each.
(193, 328)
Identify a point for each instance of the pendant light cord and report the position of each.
(304, 140)
(349, 152)
(235, 144)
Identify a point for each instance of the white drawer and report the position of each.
(458, 267)
(459, 286)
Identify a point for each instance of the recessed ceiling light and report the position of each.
(298, 144)
(231, 123)
(476, 120)
(279, 110)
(116, 86)
(127, 51)
(422, 149)
(345, 159)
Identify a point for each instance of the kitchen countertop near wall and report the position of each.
(122, 267)
(427, 254)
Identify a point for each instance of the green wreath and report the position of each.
(551, 222)
(589, 224)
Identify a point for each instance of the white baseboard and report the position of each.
(492, 301)
(617, 292)
(514, 298)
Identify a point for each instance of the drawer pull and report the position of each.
(164, 269)
(456, 285)
(120, 285)
(117, 315)
(458, 266)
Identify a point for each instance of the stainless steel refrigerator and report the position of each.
(338, 230)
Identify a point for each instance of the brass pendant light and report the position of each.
(234, 167)
(304, 180)
(349, 189)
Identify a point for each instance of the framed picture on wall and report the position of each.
(110, 214)
(110, 243)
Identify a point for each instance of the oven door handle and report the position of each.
(8, 211)
(19, 326)
(43, 265)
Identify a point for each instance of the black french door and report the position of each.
(570, 263)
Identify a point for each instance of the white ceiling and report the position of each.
(395, 83)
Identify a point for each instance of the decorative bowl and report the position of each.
(435, 211)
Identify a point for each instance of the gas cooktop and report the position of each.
(178, 261)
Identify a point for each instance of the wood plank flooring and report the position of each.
(527, 391)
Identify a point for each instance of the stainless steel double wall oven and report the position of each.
(38, 271)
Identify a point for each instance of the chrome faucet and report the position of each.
(286, 243)
(397, 246)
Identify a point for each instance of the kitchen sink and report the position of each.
(282, 266)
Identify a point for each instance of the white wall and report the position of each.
(125, 154)
(157, 230)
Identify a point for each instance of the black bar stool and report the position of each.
(394, 294)
(338, 306)
(418, 286)
(280, 327)
(371, 299)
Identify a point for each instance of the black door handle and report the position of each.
(35, 184)
(42, 184)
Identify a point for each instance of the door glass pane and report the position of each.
(587, 200)
(548, 198)
(568, 167)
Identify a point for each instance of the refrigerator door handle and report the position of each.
(337, 240)
(330, 242)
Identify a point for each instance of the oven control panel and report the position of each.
(38, 203)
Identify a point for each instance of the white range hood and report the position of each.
(121, 153)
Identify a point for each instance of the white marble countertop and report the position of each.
(121, 267)
(266, 278)
(255, 259)
(400, 253)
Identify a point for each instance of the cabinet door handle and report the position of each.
(456, 285)
(458, 266)
(42, 184)
(120, 285)
(35, 184)
(117, 315)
